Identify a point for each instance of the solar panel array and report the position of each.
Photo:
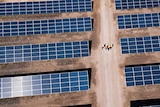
(152, 106)
(45, 7)
(41, 84)
(140, 44)
(142, 75)
(133, 4)
(50, 51)
(138, 20)
(44, 84)
(54, 26)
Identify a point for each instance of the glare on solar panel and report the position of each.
(142, 75)
(140, 44)
(50, 51)
(54, 26)
(138, 20)
(45, 7)
(42, 84)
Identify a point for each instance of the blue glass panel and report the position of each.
(6, 90)
(55, 75)
(65, 89)
(74, 79)
(139, 83)
(143, 44)
(138, 21)
(83, 78)
(130, 84)
(46, 76)
(45, 86)
(84, 88)
(64, 84)
(42, 52)
(56, 90)
(84, 83)
(6, 95)
(48, 91)
(45, 81)
(148, 82)
(131, 4)
(74, 84)
(64, 79)
(6, 80)
(7, 84)
(64, 75)
(36, 77)
(156, 81)
(40, 27)
(143, 75)
(75, 89)
(55, 85)
(83, 73)
(72, 74)
(129, 79)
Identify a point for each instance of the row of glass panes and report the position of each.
(37, 84)
(45, 26)
(133, 4)
(45, 7)
(50, 51)
(142, 75)
(138, 20)
(15, 87)
(37, 11)
(140, 44)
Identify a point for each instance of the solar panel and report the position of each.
(133, 4)
(49, 51)
(45, 7)
(140, 44)
(142, 75)
(44, 84)
(53, 26)
(138, 20)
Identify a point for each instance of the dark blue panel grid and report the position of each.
(140, 44)
(44, 84)
(138, 20)
(45, 26)
(50, 51)
(133, 4)
(45, 7)
(142, 75)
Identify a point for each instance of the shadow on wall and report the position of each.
(148, 102)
